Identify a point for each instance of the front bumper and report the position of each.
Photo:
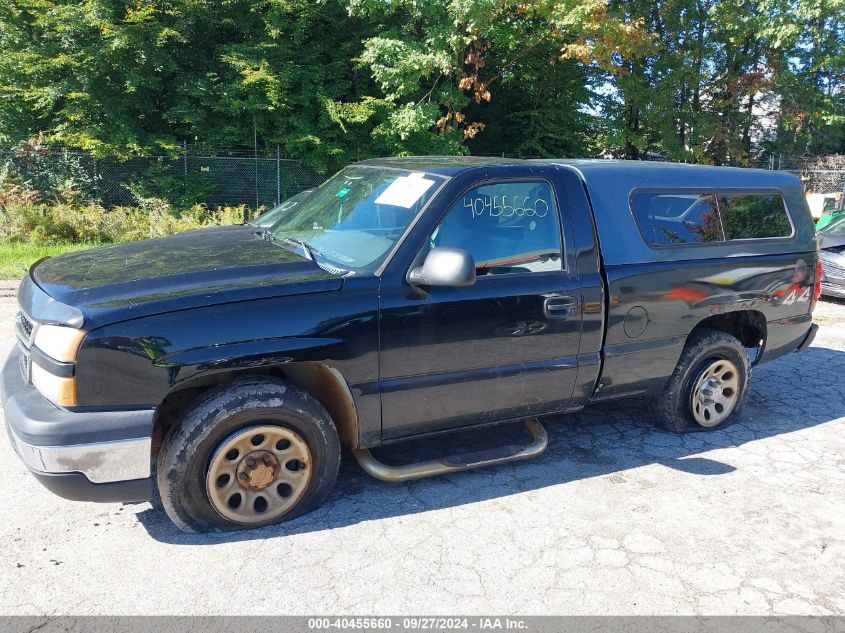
(833, 290)
(833, 274)
(80, 455)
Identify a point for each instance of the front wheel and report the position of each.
(254, 452)
(709, 386)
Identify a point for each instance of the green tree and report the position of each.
(441, 62)
(539, 110)
(811, 79)
(140, 77)
(332, 81)
(724, 81)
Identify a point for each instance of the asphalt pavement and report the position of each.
(616, 517)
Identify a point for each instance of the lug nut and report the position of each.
(243, 476)
(250, 462)
(267, 460)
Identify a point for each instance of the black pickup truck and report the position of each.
(404, 297)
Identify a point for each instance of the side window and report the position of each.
(754, 216)
(678, 218)
(508, 227)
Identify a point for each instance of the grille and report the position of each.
(24, 330)
(26, 324)
(24, 361)
(832, 271)
(836, 270)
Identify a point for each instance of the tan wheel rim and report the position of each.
(715, 393)
(258, 474)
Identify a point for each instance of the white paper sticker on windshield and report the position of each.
(405, 191)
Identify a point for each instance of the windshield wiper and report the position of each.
(311, 251)
(265, 234)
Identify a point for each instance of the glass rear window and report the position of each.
(754, 216)
(667, 218)
(678, 218)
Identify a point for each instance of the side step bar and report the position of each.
(456, 463)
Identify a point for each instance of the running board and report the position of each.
(455, 463)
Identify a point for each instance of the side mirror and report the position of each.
(444, 267)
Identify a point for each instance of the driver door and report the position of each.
(502, 348)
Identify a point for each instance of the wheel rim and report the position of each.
(258, 474)
(715, 393)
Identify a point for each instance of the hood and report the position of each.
(194, 269)
(830, 242)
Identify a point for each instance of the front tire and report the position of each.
(253, 452)
(709, 386)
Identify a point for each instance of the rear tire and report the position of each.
(288, 455)
(709, 386)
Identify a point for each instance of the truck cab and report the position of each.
(403, 297)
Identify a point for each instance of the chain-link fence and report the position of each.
(224, 178)
(246, 176)
(819, 174)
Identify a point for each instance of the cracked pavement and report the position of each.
(616, 517)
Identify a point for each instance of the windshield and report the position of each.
(268, 219)
(837, 228)
(353, 220)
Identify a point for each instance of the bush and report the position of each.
(164, 180)
(45, 174)
(46, 198)
(23, 220)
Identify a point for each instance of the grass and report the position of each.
(15, 259)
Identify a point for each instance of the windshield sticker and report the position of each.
(343, 192)
(405, 191)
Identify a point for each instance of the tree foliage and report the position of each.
(143, 76)
(330, 81)
(727, 78)
(440, 63)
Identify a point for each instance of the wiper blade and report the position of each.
(305, 246)
(310, 251)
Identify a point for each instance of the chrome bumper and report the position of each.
(100, 462)
(91, 449)
(833, 290)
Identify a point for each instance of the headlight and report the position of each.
(59, 342)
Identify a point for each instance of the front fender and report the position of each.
(138, 363)
(186, 366)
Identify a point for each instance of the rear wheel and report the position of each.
(715, 393)
(254, 452)
(709, 386)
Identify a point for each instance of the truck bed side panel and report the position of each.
(654, 306)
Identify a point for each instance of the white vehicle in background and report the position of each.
(820, 203)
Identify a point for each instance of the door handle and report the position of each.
(560, 307)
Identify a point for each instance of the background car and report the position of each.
(832, 210)
(832, 256)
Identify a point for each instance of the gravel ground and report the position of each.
(615, 518)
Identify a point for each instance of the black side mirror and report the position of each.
(444, 267)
